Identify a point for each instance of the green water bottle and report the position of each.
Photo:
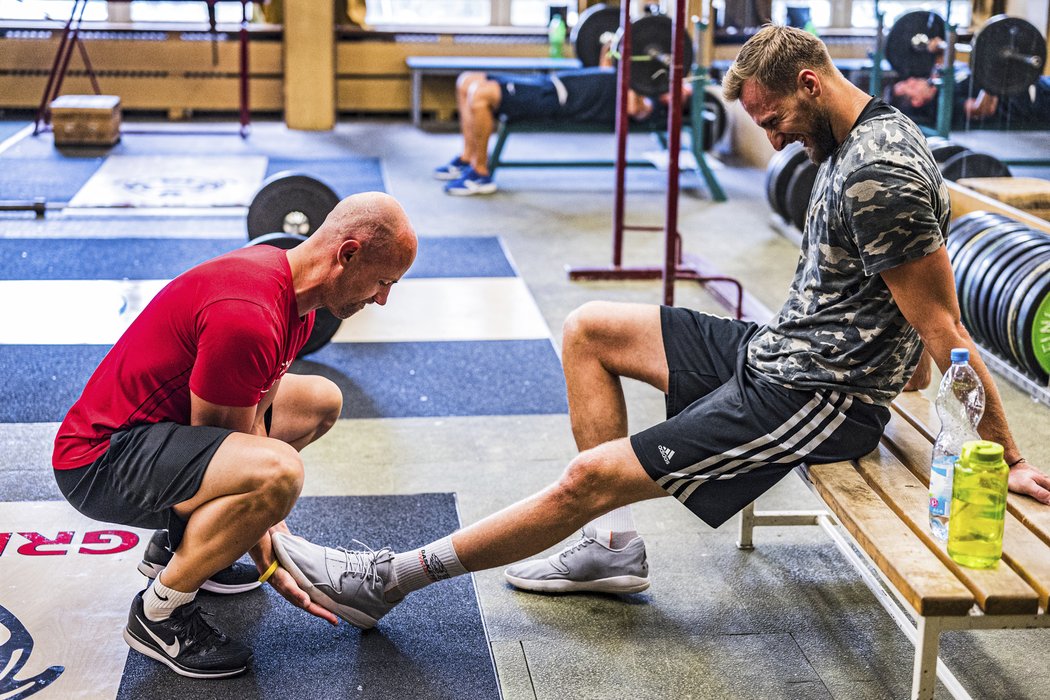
(556, 36)
(975, 532)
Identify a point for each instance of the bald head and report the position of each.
(375, 220)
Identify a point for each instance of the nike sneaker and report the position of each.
(238, 577)
(587, 565)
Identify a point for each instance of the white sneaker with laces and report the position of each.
(587, 565)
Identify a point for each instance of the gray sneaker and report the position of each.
(586, 565)
(348, 583)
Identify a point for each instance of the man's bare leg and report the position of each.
(484, 99)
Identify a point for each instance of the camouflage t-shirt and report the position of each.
(877, 202)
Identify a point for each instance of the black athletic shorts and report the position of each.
(146, 470)
(527, 97)
(731, 433)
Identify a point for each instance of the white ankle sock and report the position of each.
(616, 528)
(158, 601)
(421, 567)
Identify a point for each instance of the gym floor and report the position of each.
(788, 620)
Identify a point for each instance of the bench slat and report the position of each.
(921, 413)
(999, 591)
(1022, 549)
(913, 569)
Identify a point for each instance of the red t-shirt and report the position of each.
(225, 330)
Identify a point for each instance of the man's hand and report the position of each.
(920, 378)
(282, 581)
(1031, 481)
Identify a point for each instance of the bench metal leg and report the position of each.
(747, 527)
(417, 98)
(924, 672)
(497, 150)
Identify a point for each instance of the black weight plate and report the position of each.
(961, 263)
(995, 279)
(793, 155)
(1033, 328)
(966, 226)
(906, 43)
(773, 170)
(970, 164)
(586, 36)
(1013, 275)
(714, 120)
(290, 202)
(943, 151)
(1008, 56)
(1013, 308)
(981, 275)
(325, 323)
(651, 41)
(966, 261)
(800, 187)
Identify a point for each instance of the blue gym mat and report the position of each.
(164, 258)
(59, 177)
(9, 129)
(432, 645)
(379, 380)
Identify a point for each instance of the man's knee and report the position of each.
(327, 402)
(279, 478)
(583, 325)
(588, 481)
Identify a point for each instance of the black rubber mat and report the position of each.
(433, 645)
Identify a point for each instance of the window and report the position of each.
(51, 9)
(430, 12)
(863, 11)
(98, 11)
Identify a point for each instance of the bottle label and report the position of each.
(941, 473)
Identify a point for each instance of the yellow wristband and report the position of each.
(269, 572)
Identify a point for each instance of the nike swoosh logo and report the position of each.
(171, 650)
(160, 596)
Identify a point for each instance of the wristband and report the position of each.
(1018, 461)
(269, 572)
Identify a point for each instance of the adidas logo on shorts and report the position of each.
(666, 453)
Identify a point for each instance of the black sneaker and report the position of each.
(236, 578)
(186, 643)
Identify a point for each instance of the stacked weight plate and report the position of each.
(1002, 277)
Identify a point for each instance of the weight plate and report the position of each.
(773, 169)
(792, 156)
(799, 189)
(1008, 56)
(715, 118)
(1031, 274)
(996, 279)
(651, 41)
(325, 323)
(906, 43)
(290, 202)
(943, 151)
(963, 259)
(966, 226)
(586, 36)
(981, 276)
(970, 164)
(1013, 275)
(1033, 328)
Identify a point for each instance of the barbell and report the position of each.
(1006, 55)
(652, 41)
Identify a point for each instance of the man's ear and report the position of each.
(809, 82)
(347, 249)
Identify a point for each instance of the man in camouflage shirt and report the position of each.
(745, 403)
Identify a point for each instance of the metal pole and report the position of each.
(623, 69)
(674, 145)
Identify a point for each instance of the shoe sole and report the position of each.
(447, 177)
(352, 615)
(152, 571)
(147, 650)
(613, 584)
(469, 193)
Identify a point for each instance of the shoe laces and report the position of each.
(579, 544)
(199, 632)
(363, 563)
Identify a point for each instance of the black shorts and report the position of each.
(731, 433)
(146, 470)
(527, 97)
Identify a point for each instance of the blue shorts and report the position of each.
(731, 433)
(527, 97)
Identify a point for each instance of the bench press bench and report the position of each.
(878, 518)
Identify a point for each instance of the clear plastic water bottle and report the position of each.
(960, 405)
(975, 538)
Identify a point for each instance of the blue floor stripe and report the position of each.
(345, 175)
(57, 179)
(160, 258)
(379, 380)
(9, 129)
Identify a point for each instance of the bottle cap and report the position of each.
(981, 451)
(960, 355)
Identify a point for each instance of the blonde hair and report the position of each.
(774, 57)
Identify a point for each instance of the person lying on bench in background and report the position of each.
(917, 98)
(583, 95)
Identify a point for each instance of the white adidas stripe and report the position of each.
(788, 455)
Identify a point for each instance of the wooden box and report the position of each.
(86, 120)
(1028, 194)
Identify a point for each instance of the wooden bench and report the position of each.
(420, 66)
(878, 517)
